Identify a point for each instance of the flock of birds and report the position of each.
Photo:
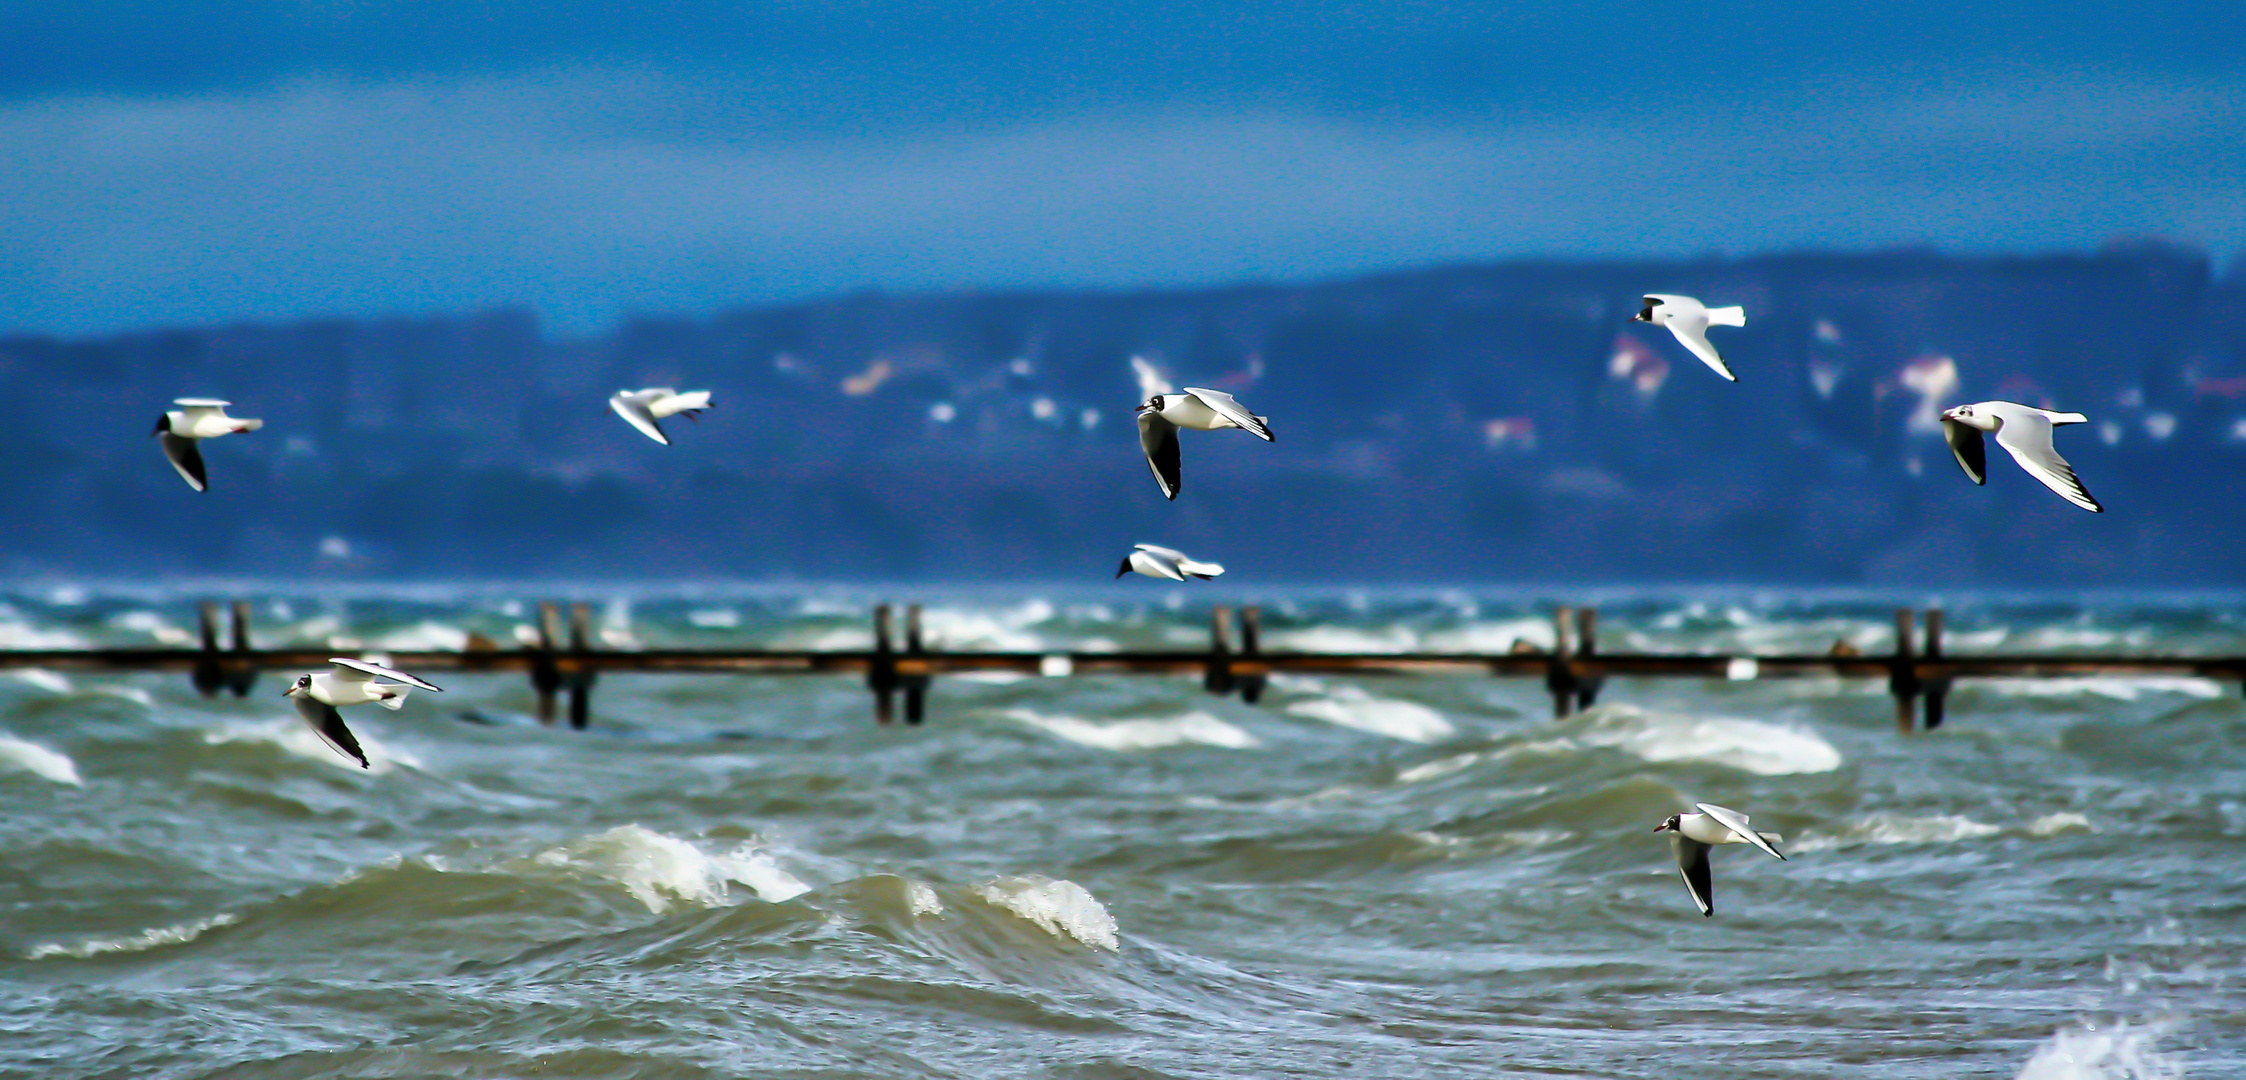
(2022, 430)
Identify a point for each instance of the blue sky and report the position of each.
(206, 162)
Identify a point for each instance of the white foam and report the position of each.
(1060, 908)
(15, 635)
(2117, 688)
(16, 755)
(990, 678)
(2064, 821)
(1750, 745)
(1194, 727)
(53, 682)
(2091, 1051)
(659, 870)
(1492, 637)
(145, 622)
(1352, 707)
(715, 619)
(921, 898)
(1345, 639)
(424, 636)
(140, 942)
(1441, 767)
(1886, 828)
(1005, 630)
(134, 694)
(298, 739)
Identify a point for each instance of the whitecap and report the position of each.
(134, 694)
(424, 636)
(1492, 637)
(299, 740)
(140, 942)
(53, 682)
(1888, 828)
(1005, 630)
(659, 870)
(1352, 707)
(990, 678)
(1440, 767)
(2064, 821)
(921, 898)
(1751, 745)
(144, 622)
(2115, 1051)
(1060, 908)
(1194, 727)
(1345, 639)
(25, 636)
(2116, 688)
(714, 619)
(16, 755)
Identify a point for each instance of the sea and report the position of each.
(1121, 877)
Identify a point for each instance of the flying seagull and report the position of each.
(1157, 561)
(2026, 433)
(351, 683)
(1689, 319)
(196, 419)
(1692, 834)
(1199, 409)
(642, 408)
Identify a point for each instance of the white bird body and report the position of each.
(351, 682)
(1199, 409)
(196, 419)
(1691, 835)
(1156, 561)
(1689, 320)
(642, 408)
(2024, 432)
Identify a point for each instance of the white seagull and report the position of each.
(351, 683)
(1689, 319)
(642, 408)
(1692, 834)
(1157, 561)
(2024, 431)
(1199, 409)
(196, 419)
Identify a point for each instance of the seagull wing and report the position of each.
(1159, 438)
(2027, 435)
(1737, 823)
(1222, 404)
(1694, 334)
(361, 671)
(187, 458)
(1965, 442)
(1162, 565)
(1157, 550)
(633, 408)
(328, 724)
(1692, 865)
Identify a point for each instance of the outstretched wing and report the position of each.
(1737, 823)
(1172, 554)
(187, 458)
(1223, 405)
(328, 724)
(1972, 453)
(361, 671)
(633, 408)
(2027, 435)
(1159, 438)
(1692, 865)
(1694, 334)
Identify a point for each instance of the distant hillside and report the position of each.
(1496, 422)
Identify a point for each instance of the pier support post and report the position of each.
(881, 669)
(1902, 672)
(581, 669)
(210, 672)
(1559, 672)
(1587, 645)
(243, 673)
(1216, 676)
(1252, 682)
(1937, 690)
(545, 673)
(912, 670)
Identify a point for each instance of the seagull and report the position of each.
(1199, 409)
(351, 683)
(2024, 431)
(1157, 561)
(196, 419)
(1689, 319)
(1691, 835)
(642, 408)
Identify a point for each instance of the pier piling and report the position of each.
(1249, 672)
(1902, 679)
(1937, 688)
(912, 669)
(1216, 673)
(579, 673)
(545, 672)
(881, 669)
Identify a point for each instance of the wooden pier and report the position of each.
(1919, 672)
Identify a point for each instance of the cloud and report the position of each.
(588, 194)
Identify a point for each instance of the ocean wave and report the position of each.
(1352, 707)
(2112, 1051)
(1887, 828)
(1060, 908)
(424, 636)
(1005, 630)
(1193, 727)
(16, 755)
(139, 622)
(299, 740)
(1491, 637)
(660, 870)
(1345, 639)
(15, 635)
(1754, 746)
(132, 943)
(53, 682)
(2112, 687)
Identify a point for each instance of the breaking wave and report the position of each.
(17, 755)
(131, 943)
(1750, 745)
(1060, 908)
(659, 870)
(1193, 728)
(1352, 707)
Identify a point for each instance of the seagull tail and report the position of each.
(2058, 418)
(1727, 316)
(1203, 570)
(243, 424)
(395, 701)
(699, 399)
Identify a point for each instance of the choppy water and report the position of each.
(1094, 877)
